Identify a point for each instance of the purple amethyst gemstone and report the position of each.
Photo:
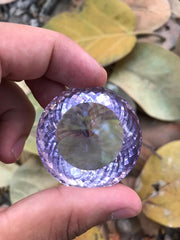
(89, 137)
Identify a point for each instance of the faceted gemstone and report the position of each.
(89, 137)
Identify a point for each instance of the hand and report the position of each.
(48, 61)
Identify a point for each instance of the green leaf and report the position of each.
(159, 186)
(30, 178)
(119, 91)
(150, 75)
(103, 28)
(6, 173)
(30, 144)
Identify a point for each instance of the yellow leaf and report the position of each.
(92, 234)
(163, 207)
(150, 14)
(159, 186)
(30, 145)
(31, 177)
(6, 173)
(103, 28)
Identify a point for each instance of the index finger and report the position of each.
(32, 53)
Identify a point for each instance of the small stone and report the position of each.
(19, 12)
(12, 11)
(5, 17)
(24, 4)
(48, 7)
(33, 10)
(34, 22)
(26, 18)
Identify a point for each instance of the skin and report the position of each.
(48, 61)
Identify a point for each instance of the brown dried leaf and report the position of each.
(150, 14)
(175, 7)
(166, 36)
(157, 133)
(177, 48)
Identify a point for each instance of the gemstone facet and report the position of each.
(89, 137)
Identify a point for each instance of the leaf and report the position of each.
(30, 178)
(175, 7)
(6, 1)
(119, 91)
(170, 31)
(92, 234)
(166, 36)
(103, 28)
(30, 144)
(177, 48)
(150, 14)
(159, 186)
(7, 171)
(150, 75)
(24, 87)
(163, 207)
(157, 133)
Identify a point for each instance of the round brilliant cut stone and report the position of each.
(89, 137)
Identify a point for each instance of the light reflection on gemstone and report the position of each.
(116, 139)
(89, 136)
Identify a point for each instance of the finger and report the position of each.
(16, 119)
(36, 52)
(45, 90)
(64, 212)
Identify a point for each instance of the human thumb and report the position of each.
(65, 212)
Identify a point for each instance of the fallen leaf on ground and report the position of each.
(103, 28)
(150, 14)
(157, 133)
(24, 87)
(159, 186)
(163, 207)
(30, 144)
(150, 75)
(166, 36)
(7, 171)
(92, 234)
(121, 93)
(30, 178)
(177, 47)
(175, 7)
